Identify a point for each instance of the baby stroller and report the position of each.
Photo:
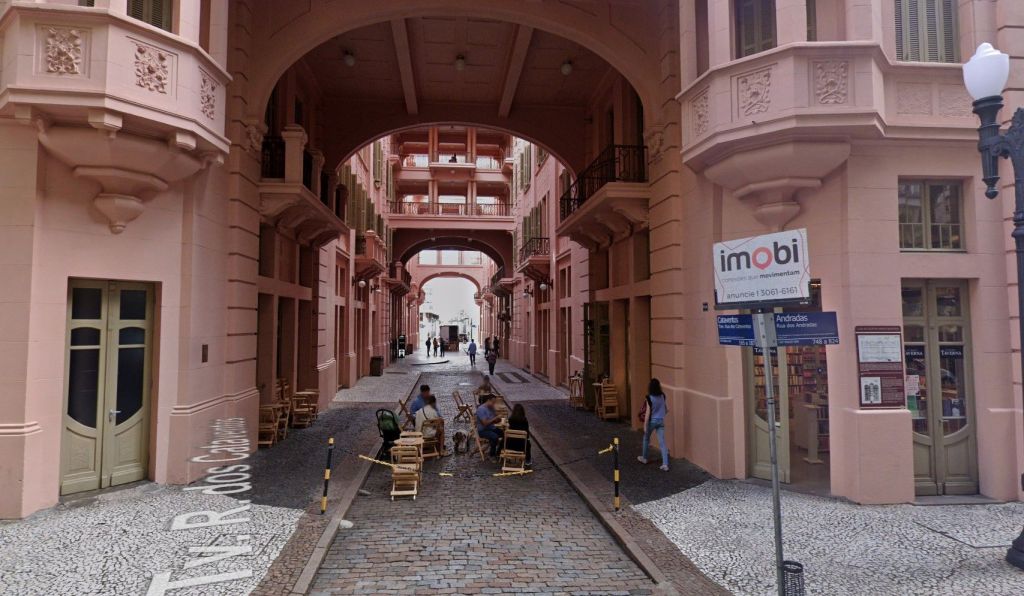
(389, 429)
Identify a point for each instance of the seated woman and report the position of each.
(485, 389)
(429, 412)
(518, 421)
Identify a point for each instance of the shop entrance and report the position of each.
(107, 372)
(801, 389)
(936, 337)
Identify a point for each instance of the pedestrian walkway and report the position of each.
(475, 533)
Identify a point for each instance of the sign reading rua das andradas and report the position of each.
(762, 268)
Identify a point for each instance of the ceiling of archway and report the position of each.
(506, 65)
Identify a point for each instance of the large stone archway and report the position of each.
(496, 244)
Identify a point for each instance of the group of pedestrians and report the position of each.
(438, 346)
(490, 352)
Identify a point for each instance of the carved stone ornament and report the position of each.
(655, 140)
(63, 51)
(755, 92)
(701, 115)
(253, 139)
(152, 68)
(830, 82)
(208, 95)
(914, 98)
(954, 102)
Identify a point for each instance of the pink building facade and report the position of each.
(198, 203)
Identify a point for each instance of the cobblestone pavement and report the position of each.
(551, 416)
(891, 550)
(114, 541)
(474, 533)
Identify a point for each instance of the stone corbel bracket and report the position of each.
(769, 179)
(129, 169)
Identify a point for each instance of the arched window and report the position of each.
(755, 26)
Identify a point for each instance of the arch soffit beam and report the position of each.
(440, 243)
(449, 274)
(307, 31)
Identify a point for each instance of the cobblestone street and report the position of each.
(474, 533)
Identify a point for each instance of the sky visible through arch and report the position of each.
(451, 298)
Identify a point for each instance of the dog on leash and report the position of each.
(460, 442)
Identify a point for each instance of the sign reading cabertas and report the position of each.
(764, 268)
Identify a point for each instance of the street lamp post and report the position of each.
(985, 76)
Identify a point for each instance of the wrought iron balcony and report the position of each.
(398, 278)
(535, 259)
(273, 157)
(535, 247)
(617, 163)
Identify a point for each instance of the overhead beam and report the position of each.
(400, 34)
(516, 60)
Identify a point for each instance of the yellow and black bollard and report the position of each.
(615, 452)
(327, 475)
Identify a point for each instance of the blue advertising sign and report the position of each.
(806, 329)
(736, 330)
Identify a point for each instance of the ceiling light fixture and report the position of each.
(460, 62)
(566, 68)
(349, 58)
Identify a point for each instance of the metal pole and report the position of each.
(766, 338)
(327, 475)
(615, 457)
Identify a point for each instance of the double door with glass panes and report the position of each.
(107, 373)
(936, 339)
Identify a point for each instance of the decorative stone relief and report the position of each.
(655, 141)
(830, 82)
(63, 51)
(253, 139)
(754, 91)
(207, 95)
(914, 98)
(954, 102)
(701, 115)
(152, 68)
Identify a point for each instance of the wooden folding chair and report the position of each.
(267, 430)
(465, 410)
(283, 409)
(312, 400)
(476, 437)
(403, 408)
(514, 460)
(608, 404)
(433, 446)
(405, 474)
(302, 414)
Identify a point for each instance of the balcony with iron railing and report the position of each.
(453, 209)
(295, 190)
(608, 199)
(371, 255)
(399, 278)
(535, 259)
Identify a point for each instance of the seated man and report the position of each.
(429, 412)
(485, 419)
(420, 400)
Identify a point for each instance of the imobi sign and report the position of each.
(762, 268)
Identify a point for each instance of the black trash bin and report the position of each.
(377, 366)
(792, 578)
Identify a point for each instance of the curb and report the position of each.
(316, 558)
(607, 519)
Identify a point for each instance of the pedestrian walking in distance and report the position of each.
(428, 347)
(472, 352)
(492, 359)
(653, 414)
(443, 345)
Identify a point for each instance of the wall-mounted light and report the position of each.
(349, 58)
(460, 62)
(545, 285)
(566, 68)
(527, 292)
(361, 283)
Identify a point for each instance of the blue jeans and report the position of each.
(493, 436)
(656, 425)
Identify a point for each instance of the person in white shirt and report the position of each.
(429, 412)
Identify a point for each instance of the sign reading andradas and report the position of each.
(762, 268)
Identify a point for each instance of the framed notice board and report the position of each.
(880, 367)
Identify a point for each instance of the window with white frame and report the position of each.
(755, 26)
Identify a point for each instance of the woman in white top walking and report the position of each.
(653, 413)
